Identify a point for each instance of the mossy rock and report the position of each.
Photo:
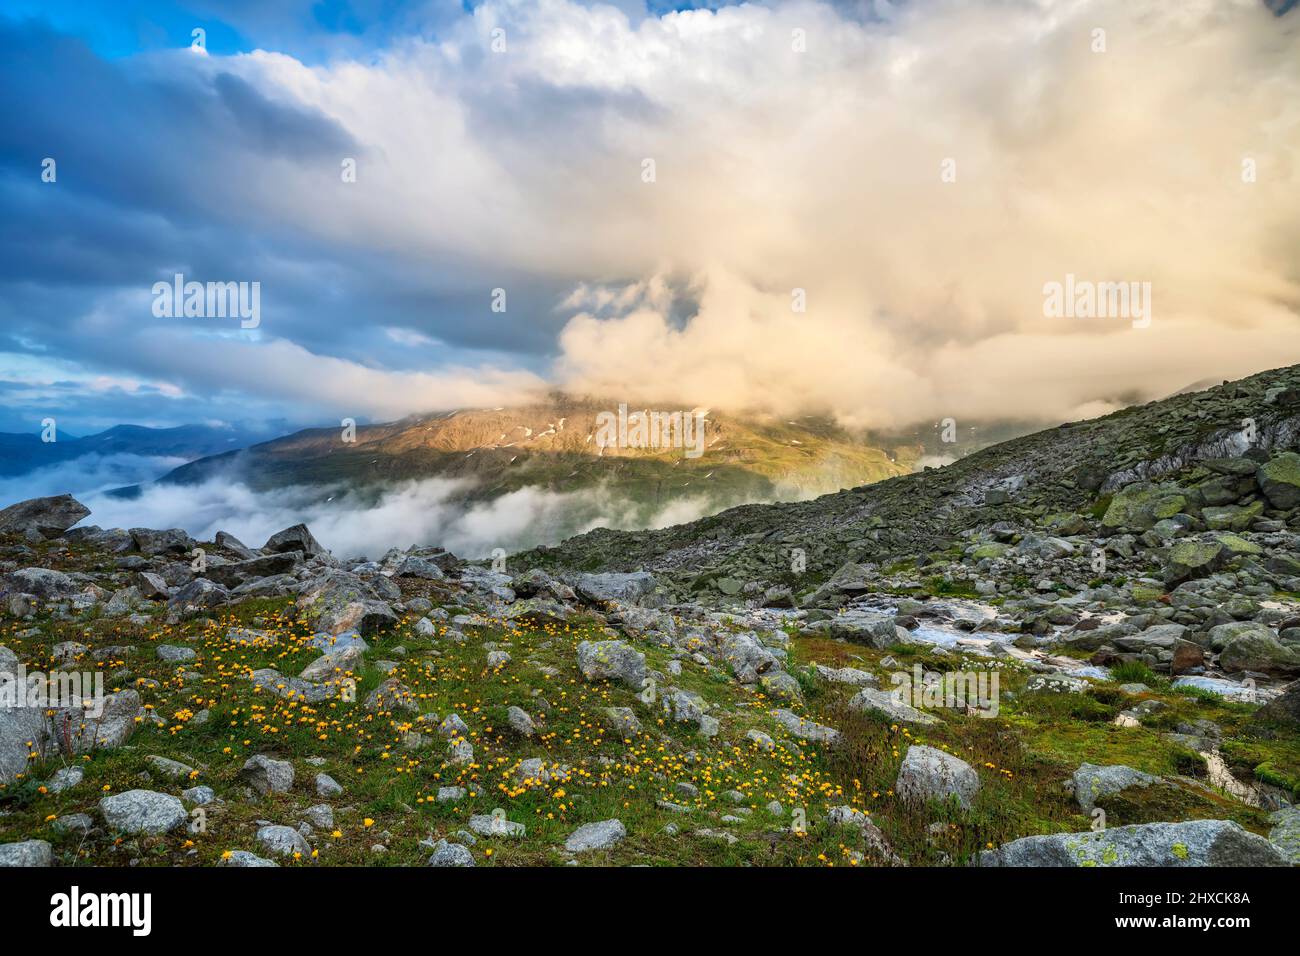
(1280, 480)
(1137, 507)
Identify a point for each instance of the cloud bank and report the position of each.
(918, 175)
(429, 512)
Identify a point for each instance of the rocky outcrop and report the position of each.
(48, 517)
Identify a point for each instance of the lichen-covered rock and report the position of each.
(1093, 782)
(1191, 843)
(1256, 649)
(612, 660)
(1279, 479)
(1137, 507)
(806, 729)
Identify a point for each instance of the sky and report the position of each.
(789, 206)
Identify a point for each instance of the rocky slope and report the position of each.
(1078, 648)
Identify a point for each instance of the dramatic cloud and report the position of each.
(795, 146)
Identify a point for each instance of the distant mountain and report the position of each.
(21, 454)
(554, 444)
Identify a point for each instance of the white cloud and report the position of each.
(821, 170)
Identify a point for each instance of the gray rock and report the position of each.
(882, 702)
(495, 826)
(243, 858)
(28, 853)
(42, 582)
(172, 769)
(1191, 843)
(295, 538)
(520, 722)
(327, 786)
(321, 816)
(282, 841)
(65, 778)
(143, 811)
(1093, 782)
(267, 775)
(930, 774)
(596, 836)
(175, 655)
(333, 665)
(450, 854)
(806, 729)
(637, 587)
(1285, 834)
(612, 660)
(847, 675)
(199, 796)
(50, 516)
(169, 541)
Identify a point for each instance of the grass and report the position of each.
(391, 779)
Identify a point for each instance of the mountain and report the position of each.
(24, 453)
(980, 662)
(1063, 470)
(554, 444)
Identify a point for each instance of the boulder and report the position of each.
(596, 836)
(1279, 479)
(41, 582)
(1285, 834)
(1093, 782)
(143, 812)
(450, 854)
(930, 774)
(636, 587)
(1283, 709)
(295, 538)
(806, 729)
(1191, 843)
(612, 660)
(283, 841)
(1137, 507)
(267, 775)
(29, 853)
(1259, 650)
(872, 700)
(170, 541)
(49, 517)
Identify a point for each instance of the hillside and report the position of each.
(552, 445)
(1078, 648)
(1065, 469)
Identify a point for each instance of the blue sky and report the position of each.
(795, 144)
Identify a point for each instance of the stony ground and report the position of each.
(279, 705)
